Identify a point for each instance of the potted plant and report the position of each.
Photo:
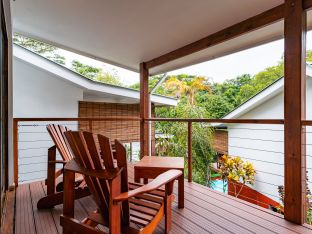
(235, 170)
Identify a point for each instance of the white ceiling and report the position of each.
(126, 33)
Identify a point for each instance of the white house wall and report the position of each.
(37, 93)
(263, 145)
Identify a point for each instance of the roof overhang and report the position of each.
(93, 91)
(126, 33)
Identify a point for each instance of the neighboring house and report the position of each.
(43, 88)
(263, 145)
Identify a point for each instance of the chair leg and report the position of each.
(52, 200)
(51, 170)
(69, 199)
(168, 214)
(114, 208)
(168, 200)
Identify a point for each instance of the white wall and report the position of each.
(263, 145)
(37, 93)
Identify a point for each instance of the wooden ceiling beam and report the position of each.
(263, 19)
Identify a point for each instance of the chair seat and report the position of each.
(143, 209)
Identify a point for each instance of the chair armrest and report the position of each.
(104, 174)
(159, 181)
(57, 161)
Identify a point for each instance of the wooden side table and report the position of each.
(149, 167)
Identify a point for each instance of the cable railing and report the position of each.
(260, 142)
(31, 141)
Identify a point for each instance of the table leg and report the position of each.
(181, 191)
(136, 177)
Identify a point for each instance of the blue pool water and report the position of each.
(218, 186)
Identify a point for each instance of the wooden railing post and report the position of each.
(189, 151)
(15, 150)
(144, 111)
(294, 111)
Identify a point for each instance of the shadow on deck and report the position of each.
(205, 211)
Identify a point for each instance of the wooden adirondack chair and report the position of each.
(55, 192)
(122, 207)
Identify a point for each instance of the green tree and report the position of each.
(152, 81)
(230, 89)
(187, 87)
(86, 70)
(39, 47)
(264, 78)
(95, 73)
(215, 105)
(176, 142)
(309, 56)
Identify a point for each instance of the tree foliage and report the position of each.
(39, 47)
(175, 142)
(95, 73)
(189, 87)
(151, 84)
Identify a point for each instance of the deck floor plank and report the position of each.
(80, 212)
(245, 220)
(24, 219)
(205, 211)
(261, 216)
(43, 218)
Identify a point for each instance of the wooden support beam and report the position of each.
(144, 111)
(253, 23)
(294, 105)
(226, 34)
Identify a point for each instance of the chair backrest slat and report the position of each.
(81, 152)
(62, 130)
(96, 159)
(121, 157)
(57, 134)
(107, 152)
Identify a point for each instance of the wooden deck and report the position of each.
(205, 211)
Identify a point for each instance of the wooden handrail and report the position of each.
(246, 121)
(77, 119)
(306, 122)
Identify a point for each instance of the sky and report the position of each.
(250, 61)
